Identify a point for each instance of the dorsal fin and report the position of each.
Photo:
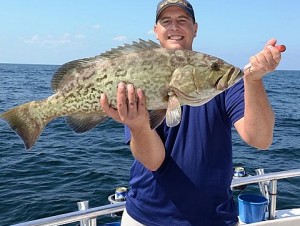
(141, 45)
(68, 72)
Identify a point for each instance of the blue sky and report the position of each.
(58, 31)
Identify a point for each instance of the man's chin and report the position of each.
(171, 44)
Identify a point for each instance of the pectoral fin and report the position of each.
(173, 115)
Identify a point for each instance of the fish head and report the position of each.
(203, 78)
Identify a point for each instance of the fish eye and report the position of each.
(215, 66)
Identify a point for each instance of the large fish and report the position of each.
(169, 78)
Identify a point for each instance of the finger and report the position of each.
(270, 55)
(141, 100)
(264, 62)
(132, 101)
(111, 112)
(276, 55)
(271, 42)
(122, 100)
(142, 110)
(281, 48)
(254, 62)
(104, 103)
(248, 67)
(263, 56)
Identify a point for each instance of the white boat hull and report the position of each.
(288, 217)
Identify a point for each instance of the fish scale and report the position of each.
(169, 79)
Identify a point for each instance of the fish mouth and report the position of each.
(229, 78)
(235, 76)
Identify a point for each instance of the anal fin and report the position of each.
(157, 117)
(81, 123)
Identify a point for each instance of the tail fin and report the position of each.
(25, 122)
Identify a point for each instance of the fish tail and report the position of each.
(26, 122)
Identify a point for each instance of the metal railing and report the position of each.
(76, 216)
(92, 213)
(271, 178)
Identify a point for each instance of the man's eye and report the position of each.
(165, 21)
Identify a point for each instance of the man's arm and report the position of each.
(256, 127)
(146, 145)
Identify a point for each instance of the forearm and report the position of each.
(147, 147)
(258, 117)
(256, 127)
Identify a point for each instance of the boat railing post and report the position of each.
(84, 205)
(263, 186)
(273, 197)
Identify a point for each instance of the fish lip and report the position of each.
(240, 73)
(235, 74)
(232, 74)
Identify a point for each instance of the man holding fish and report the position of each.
(182, 175)
(180, 135)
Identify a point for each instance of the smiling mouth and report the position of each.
(175, 37)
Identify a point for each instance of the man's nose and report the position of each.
(174, 25)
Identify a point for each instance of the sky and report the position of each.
(58, 31)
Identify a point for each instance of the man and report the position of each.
(182, 175)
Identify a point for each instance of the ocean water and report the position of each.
(64, 167)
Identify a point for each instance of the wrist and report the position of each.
(250, 80)
(142, 129)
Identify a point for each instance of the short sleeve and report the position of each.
(234, 101)
(127, 135)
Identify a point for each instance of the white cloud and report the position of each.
(51, 41)
(80, 36)
(97, 26)
(120, 38)
(150, 32)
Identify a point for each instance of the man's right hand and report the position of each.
(146, 145)
(131, 107)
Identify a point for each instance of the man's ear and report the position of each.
(195, 29)
(155, 31)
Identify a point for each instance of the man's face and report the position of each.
(175, 29)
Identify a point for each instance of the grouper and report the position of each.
(169, 79)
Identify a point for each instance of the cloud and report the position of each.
(97, 26)
(52, 40)
(80, 36)
(150, 32)
(120, 38)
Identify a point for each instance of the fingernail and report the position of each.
(102, 96)
(121, 85)
(140, 91)
(270, 47)
(129, 86)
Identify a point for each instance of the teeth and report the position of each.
(176, 37)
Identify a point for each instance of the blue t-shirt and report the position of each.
(192, 186)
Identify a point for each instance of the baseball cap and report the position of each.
(181, 3)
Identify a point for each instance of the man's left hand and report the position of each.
(263, 62)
